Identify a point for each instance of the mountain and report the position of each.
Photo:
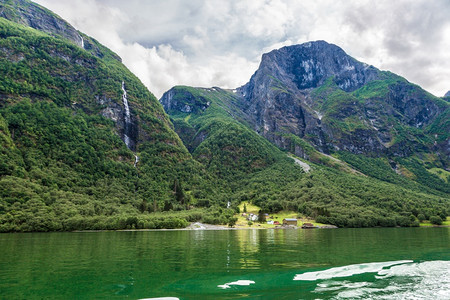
(376, 143)
(319, 93)
(447, 94)
(84, 145)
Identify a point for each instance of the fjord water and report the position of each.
(378, 263)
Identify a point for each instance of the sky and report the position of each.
(207, 43)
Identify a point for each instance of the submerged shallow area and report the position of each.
(376, 263)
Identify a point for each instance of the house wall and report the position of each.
(290, 222)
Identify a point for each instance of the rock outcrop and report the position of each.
(308, 66)
(319, 93)
(182, 100)
(114, 111)
(40, 18)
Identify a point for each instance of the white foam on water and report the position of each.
(239, 282)
(335, 286)
(349, 270)
(161, 298)
(424, 280)
(417, 281)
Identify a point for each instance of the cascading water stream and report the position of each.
(136, 160)
(82, 41)
(127, 125)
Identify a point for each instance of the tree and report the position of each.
(179, 194)
(421, 217)
(168, 205)
(261, 216)
(245, 208)
(143, 206)
(155, 205)
(232, 221)
(436, 220)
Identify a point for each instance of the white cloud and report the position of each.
(219, 43)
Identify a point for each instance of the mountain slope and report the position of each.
(385, 134)
(66, 110)
(84, 145)
(210, 122)
(319, 93)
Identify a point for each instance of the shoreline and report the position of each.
(202, 226)
(196, 226)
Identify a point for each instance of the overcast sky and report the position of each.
(219, 43)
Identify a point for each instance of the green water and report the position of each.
(231, 264)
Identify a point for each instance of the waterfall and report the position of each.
(82, 41)
(127, 124)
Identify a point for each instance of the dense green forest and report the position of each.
(355, 191)
(64, 165)
(62, 160)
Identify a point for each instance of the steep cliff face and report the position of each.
(319, 93)
(308, 65)
(183, 99)
(37, 17)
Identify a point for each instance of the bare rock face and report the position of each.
(35, 16)
(447, 94)
(309, 65)
(182, 100)
(39, 18)
(116, 112)
(319, 93)
(277, 95)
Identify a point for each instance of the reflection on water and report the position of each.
(248, 245)
(336, 264)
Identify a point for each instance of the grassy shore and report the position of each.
(428, 224)
(242, 222)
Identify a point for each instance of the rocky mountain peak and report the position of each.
(319, 93)
(447, 94)
(308, 65)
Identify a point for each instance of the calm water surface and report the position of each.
(379, 263)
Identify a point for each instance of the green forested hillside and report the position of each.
(63, 161)
(64, 164)
(333, 192)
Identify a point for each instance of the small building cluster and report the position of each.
(271, 222)
(250, 217)
(290, 222)
(286, 222)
